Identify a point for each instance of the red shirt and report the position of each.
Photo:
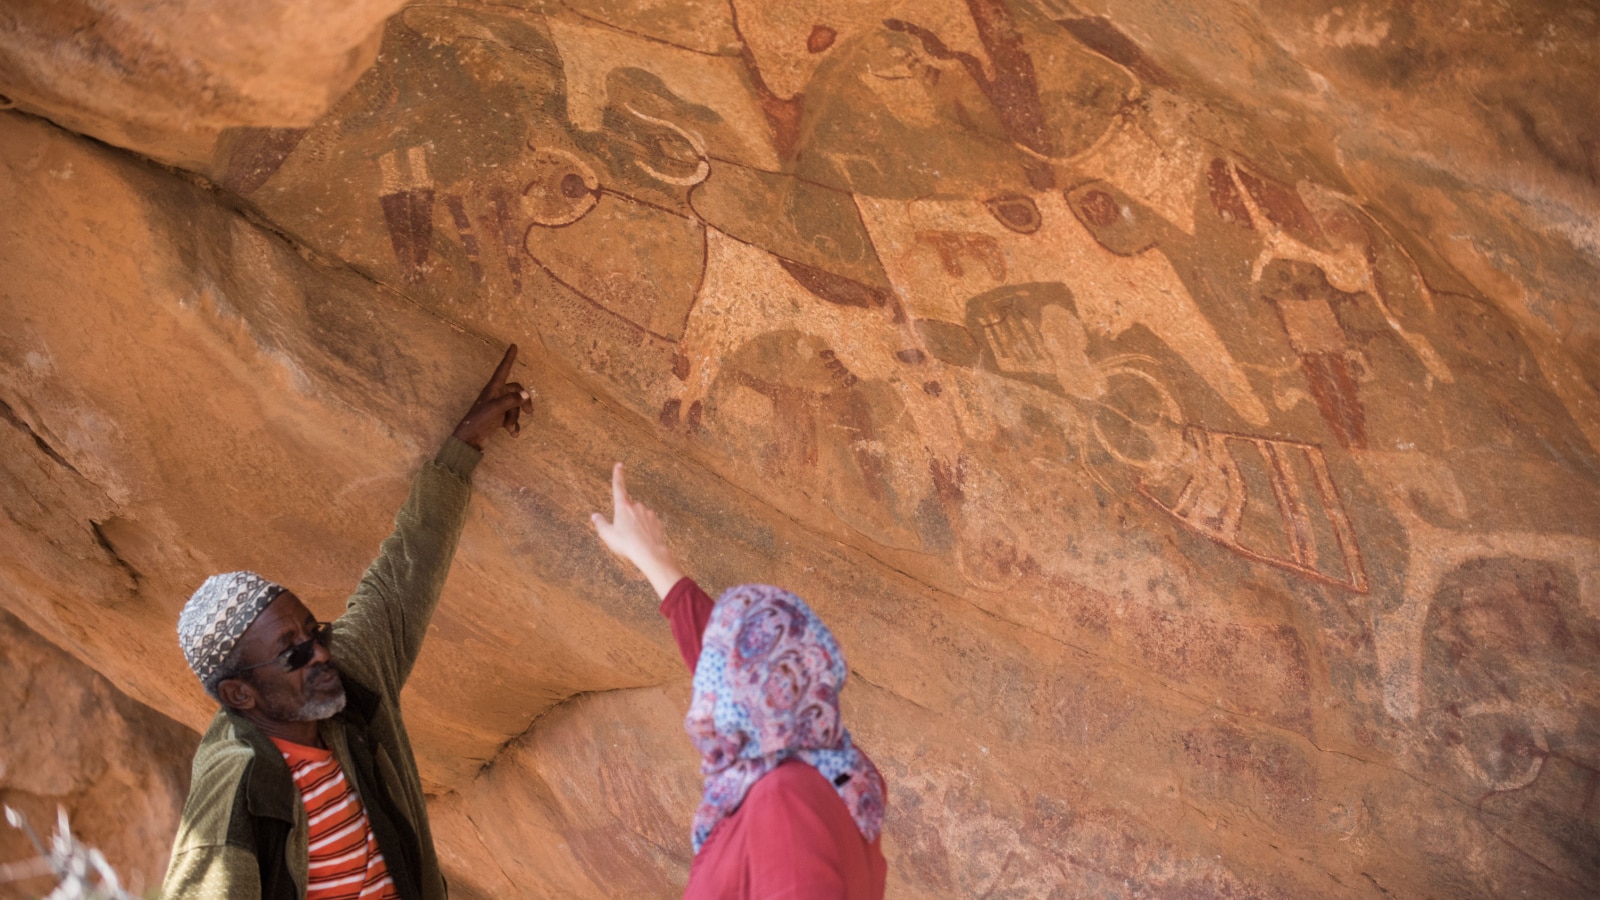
(345, 861)
(792, 838)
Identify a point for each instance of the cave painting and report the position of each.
(935, 262)
(1507, 639)
(1436, 553)
(1268, 499)
(1326, 357)
(407, 200)
(1121, 293)
(1279, 214)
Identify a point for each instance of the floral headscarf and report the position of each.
(766, 689)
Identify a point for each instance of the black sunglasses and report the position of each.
(297, 656)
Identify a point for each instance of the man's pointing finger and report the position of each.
(501, 373)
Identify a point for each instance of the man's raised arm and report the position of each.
(380, 634)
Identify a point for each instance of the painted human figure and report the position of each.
(1301, 296)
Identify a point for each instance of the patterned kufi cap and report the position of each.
(216, 616)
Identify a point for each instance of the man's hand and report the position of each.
(499, 404)
(636, 535)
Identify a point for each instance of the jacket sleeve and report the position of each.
(212, 872)
(213, 853)
(378, 638)
(687, 610)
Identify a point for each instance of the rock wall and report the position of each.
(166, 78)
(70, 740)
(1185, 415)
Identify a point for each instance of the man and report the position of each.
(305, 785)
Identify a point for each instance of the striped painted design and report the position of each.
(345, 861)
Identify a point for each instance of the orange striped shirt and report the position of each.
(345, 861)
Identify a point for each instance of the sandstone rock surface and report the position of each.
(71, 740)
(1185, 415)
(166, 77)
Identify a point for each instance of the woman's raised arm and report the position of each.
(635, 534)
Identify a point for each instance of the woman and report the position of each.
(791, 809)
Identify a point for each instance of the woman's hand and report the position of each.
(636, 535)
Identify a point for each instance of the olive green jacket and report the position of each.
(243, 832)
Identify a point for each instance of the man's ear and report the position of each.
(236, 693)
